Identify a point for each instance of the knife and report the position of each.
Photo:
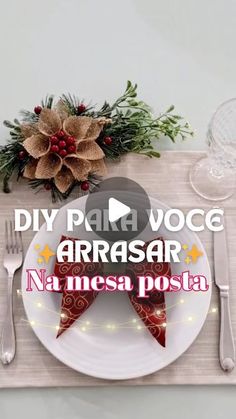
(221, 268)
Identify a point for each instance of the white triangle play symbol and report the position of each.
(116, 210)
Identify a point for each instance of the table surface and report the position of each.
(35, 366)
(178, 52)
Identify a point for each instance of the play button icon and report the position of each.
(117, 210)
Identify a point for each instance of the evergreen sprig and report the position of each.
(133, 126)
(47, 102)
(72, 103)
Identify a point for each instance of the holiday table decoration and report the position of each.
(65, 144)
(198, 361)
(61, 145)
(151, 310)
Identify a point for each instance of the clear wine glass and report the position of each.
(213, 177)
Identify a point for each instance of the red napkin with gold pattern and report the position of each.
(75, 303)
(150, 310)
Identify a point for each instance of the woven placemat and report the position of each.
(165, 179)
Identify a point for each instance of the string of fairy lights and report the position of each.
(87, 325)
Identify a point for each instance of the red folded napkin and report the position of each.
(75, 303)
(151, 310)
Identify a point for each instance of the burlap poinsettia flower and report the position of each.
(63, 147)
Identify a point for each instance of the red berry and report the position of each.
(63, 153)
(47, 186)
(22, 155)
(81, 108)
(54, 139)
(71, 149)
(62, 144)
(54, 148)
(84, 185)
(70, 140)
(108, 140)
(38, 109)
(61, 134)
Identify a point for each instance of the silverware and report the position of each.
(226, 346)
(13, 258)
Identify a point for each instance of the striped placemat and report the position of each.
(167, 180)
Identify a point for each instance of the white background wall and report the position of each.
(178, 51)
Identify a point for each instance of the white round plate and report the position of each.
(123, 352)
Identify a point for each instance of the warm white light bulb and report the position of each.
(190, 318)
(164, 324)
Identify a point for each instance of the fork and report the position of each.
(13, 258)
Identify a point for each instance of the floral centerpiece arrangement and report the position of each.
(64, 144)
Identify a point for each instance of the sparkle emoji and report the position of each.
(47, 253)
(194, 253)
(187, 260)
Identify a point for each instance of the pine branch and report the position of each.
(29, 117)
(49, 184)
(71, 102)
(48, 102)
